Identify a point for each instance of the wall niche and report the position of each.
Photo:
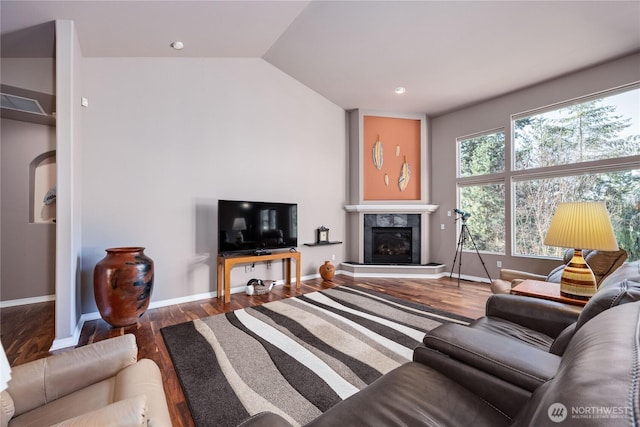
(42, 188)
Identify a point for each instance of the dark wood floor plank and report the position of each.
(27, 332)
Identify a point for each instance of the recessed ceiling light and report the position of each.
(400, 90)
(177, 45)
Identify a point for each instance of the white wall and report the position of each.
(164, 139)
(69, 184)
(37, 74)
(27, 250)
(494, 114)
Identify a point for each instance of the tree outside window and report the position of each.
(585, 150)
(486, 224)
(604, 128)
(480, 158)
(481, 155)
(536, 201)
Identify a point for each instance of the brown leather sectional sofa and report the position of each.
(586, 372)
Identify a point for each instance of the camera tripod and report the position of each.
(464, 233)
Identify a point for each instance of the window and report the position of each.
(480, 158)
(480, 155)
(485, 203)
(586, 149)
(536, 201)
(601, 128)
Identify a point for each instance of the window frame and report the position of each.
(514, 175)
(510, 175)
(494, 131)
(485, 179)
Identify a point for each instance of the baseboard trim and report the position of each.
(27, 301)
(86, 317)
(470, 278)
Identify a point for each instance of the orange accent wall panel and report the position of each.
(392, 161)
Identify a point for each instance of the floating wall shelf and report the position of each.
(323, 244)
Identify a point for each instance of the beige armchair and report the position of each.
(602, 264)
(96, 385)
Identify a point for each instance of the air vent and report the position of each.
(18, 103)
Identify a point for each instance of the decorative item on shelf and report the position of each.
(327, 270)
(259, 287)
(378, 154)
(580, 225)
(48, 212)
(322, 235)
(122, 284)
(50, 197)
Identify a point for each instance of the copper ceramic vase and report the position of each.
(122, 284)
(327, 270)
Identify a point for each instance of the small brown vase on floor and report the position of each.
(327, 270)
(122, 284)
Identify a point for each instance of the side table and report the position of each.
(545, 290)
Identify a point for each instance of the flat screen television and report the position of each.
(256, 227)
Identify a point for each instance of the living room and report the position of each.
(164, 137)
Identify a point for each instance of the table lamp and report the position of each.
(580, 225)
(239, 225)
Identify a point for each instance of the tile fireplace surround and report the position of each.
(362, 218)
(392, 238)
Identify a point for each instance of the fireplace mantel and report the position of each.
(356, 221)
(395, 208)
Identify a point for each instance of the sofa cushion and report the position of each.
(621, 287)
(596, 383)
(412, 395)
(514, 331)
(7, 408)
(510, 360)
(126, 413)
(140, 379)
(41, 381)
(602, 263)
(144, 378)
(85, 400)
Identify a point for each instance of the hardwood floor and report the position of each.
(27, 331)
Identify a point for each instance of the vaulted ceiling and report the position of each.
(447, 54)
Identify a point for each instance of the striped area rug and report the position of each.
(296, 357)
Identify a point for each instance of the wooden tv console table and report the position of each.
(226, 263)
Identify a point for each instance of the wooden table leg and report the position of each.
(298, 272)
(227, 284)
(219, 293)
(287, 271)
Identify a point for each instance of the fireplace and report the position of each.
(392, 239)
(391, 245)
